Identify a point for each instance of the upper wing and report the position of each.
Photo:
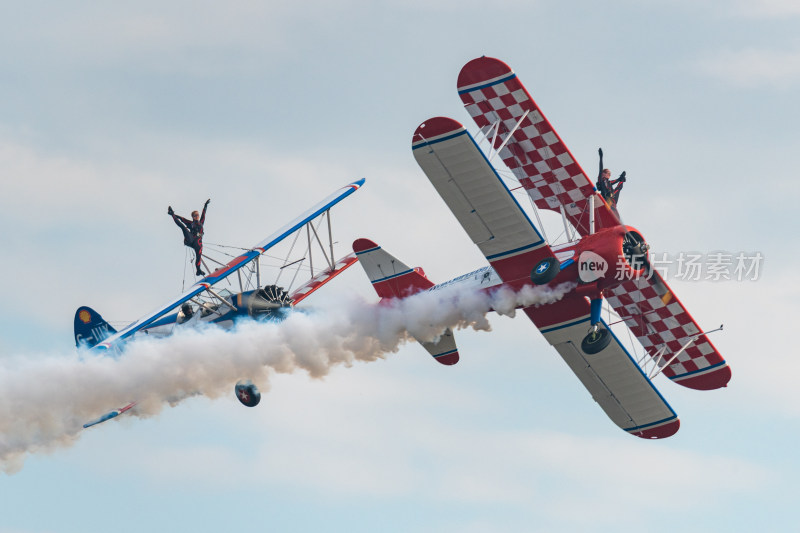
(478, 198)
(528, 144)
(488, 212)
(663, 325)
(234, 265)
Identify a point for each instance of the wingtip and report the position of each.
(715, 379)
(663, 431)
(448, 359)
(362, 245)
(435, 128)
(481, 70)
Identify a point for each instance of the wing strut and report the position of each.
(508, 137)
(570, 235)
(222, 300)
(494, 129)
(330, 235)
(319, 241)
(660, 367)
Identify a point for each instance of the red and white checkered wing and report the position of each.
(663, 325)
(539, 159)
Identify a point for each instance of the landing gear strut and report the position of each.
(598, 337)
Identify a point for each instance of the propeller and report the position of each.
(636, 251)
(266, 300)
(277, 295)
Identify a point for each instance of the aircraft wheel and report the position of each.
(545, 270)
(247, 393)
(596, 341)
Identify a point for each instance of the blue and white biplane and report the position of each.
(206, 303)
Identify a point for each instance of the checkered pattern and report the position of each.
(535, 154)
(657, 324)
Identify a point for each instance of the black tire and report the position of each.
(247, 393)
(545, 271)
(596, 342)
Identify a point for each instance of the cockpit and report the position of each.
(185, 313)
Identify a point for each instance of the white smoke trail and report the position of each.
(45, 401)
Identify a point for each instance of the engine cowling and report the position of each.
(247, 393)
(267, 303)
(609, 256)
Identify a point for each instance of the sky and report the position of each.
(111, 112)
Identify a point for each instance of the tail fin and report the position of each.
(392, 278)
(90, 328)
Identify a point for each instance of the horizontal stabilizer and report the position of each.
(108, 416)
(444, 351)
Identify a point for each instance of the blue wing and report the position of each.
(232, 266)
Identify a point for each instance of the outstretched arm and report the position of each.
(203, 216)
(600, 171)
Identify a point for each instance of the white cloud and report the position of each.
(753, 67)
(47, 189)
(89, 225)
(768, 8)
(196, 38)
(385, 433)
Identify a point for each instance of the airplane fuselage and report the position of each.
(596, 262)
(224, 312)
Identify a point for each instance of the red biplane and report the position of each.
(607, 260)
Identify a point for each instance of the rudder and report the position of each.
(90, 328)
(390, 277)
